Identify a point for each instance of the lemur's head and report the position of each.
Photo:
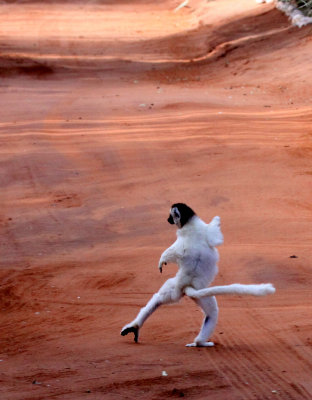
(180, 214)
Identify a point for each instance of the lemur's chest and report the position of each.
(197, 255)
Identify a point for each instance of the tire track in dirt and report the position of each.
(259, 367)
(254, 370)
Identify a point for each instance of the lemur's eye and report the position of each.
(176, 212)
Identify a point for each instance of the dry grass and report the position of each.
(305, 6)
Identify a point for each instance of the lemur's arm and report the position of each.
(214, 235)
(169, 255)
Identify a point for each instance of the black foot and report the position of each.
(133, 329)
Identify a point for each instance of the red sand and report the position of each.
(110, 112)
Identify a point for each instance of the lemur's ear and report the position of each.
(170, 220)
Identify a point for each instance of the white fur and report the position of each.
(196, 255)
(236, 288)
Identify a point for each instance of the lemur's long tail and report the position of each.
(236, 288)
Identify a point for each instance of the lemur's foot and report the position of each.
(129, 329)
(200, 344)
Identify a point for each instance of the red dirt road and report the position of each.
(111, 111)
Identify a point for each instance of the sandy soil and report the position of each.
(110, 111)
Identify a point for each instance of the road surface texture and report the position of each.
(110, 112)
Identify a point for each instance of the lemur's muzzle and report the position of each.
(170, 220)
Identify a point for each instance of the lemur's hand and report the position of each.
(161, 265)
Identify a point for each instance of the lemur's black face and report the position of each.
(180, 214)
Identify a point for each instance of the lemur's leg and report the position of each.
(168, 293)
(210, 308)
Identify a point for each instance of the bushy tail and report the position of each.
(236, 288)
